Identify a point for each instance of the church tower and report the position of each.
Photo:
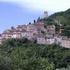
(45, 14)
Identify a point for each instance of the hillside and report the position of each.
(59, 17)
(24, 54)
(60, 20)
(21, 54)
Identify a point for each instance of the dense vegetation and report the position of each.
(60, 17)
(21, 54)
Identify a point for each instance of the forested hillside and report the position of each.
(21, 54)
(59, 17)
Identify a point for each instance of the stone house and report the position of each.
(21, 27)
(65, 42)
(58, 39)
(24, 34)
(7, 34)
(50, 40)
(13, 33)
(39, 25)
(0, 39)
(31, 27)
(41, 39)
(51, 29)
(16, 34)
(28, 34)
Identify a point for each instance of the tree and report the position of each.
(34, 21)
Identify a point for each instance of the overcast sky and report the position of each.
(54, 5)
(14, 12)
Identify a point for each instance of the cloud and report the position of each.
(53, 5)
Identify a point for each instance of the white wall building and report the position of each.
(65, 43)
(41, 40)
(7, 35)
(50, 40)
(24, 34)
(16, 34)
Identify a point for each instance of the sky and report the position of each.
(18, 12)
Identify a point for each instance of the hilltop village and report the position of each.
(36, 32)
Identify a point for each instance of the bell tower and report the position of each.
(45, 14)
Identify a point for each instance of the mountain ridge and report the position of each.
(63, 17)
